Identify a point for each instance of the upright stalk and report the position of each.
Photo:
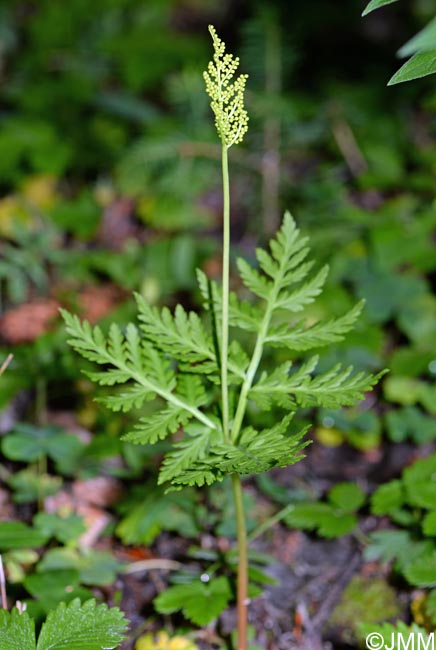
(242, 580)
(242, 598)
(225, 287)
(231, 121)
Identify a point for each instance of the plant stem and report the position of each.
(225, 289)
(242, 599)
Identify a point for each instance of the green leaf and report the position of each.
(420, 65)
(259, 451)
(387, 498)
(177, 465)
(337, 387)
(421, 572)
(348, 497)
(64, 529)
(429, 524)
(300, 338)
(132, 359)
(200, 602)
(321, 517)
(94, 567)
(29, 443)
(376, 4)
(424, 40)
(388, 545)
(15, 534)
(421, 493)
(84, 627)
(148, 430)
(17, 631)
(387, 632)
(182, 335)
(50, 588)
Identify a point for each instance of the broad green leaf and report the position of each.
(15, 534)
(321, 517)
(17, 631)
(421, 493)
(94, 567)
(376, 4)
(420, 65)
(348, 497)
(421, 572)
(387, 498)
(429, 524)
(82, 627)
(50, 588)
(424, 40)
(200, 602)
(64, 529)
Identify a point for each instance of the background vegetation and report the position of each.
(110, 182)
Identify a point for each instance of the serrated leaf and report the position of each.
(376, 4)
(421, 572)
(131, 398)
(254, 280)
(387, 498)
(177, 464)
(295, 301)
(388, 545)
(337, 387)
(82, 627)
(300, 338)
(133, 359)
(200, 602)
(420, 65)
(348, 497)
(429, 524)
(181, 335)
(260, 451)
(148, 430)
(17, 631)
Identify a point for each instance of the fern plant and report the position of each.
(203, 382)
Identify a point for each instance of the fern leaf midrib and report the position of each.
(258, 351)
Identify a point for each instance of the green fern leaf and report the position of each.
(17, 631)
(132, 398)
(82, 627)
(300, 338)
(260, 451)
(182, 335)
(197, 476)
(133, 360)
(296, 300)
(253, 280)
(191, 388)
(148, 430)
(335, 388)
(193, 448)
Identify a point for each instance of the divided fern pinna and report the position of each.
(203, 381)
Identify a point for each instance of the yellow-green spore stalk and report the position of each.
(231, 118)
